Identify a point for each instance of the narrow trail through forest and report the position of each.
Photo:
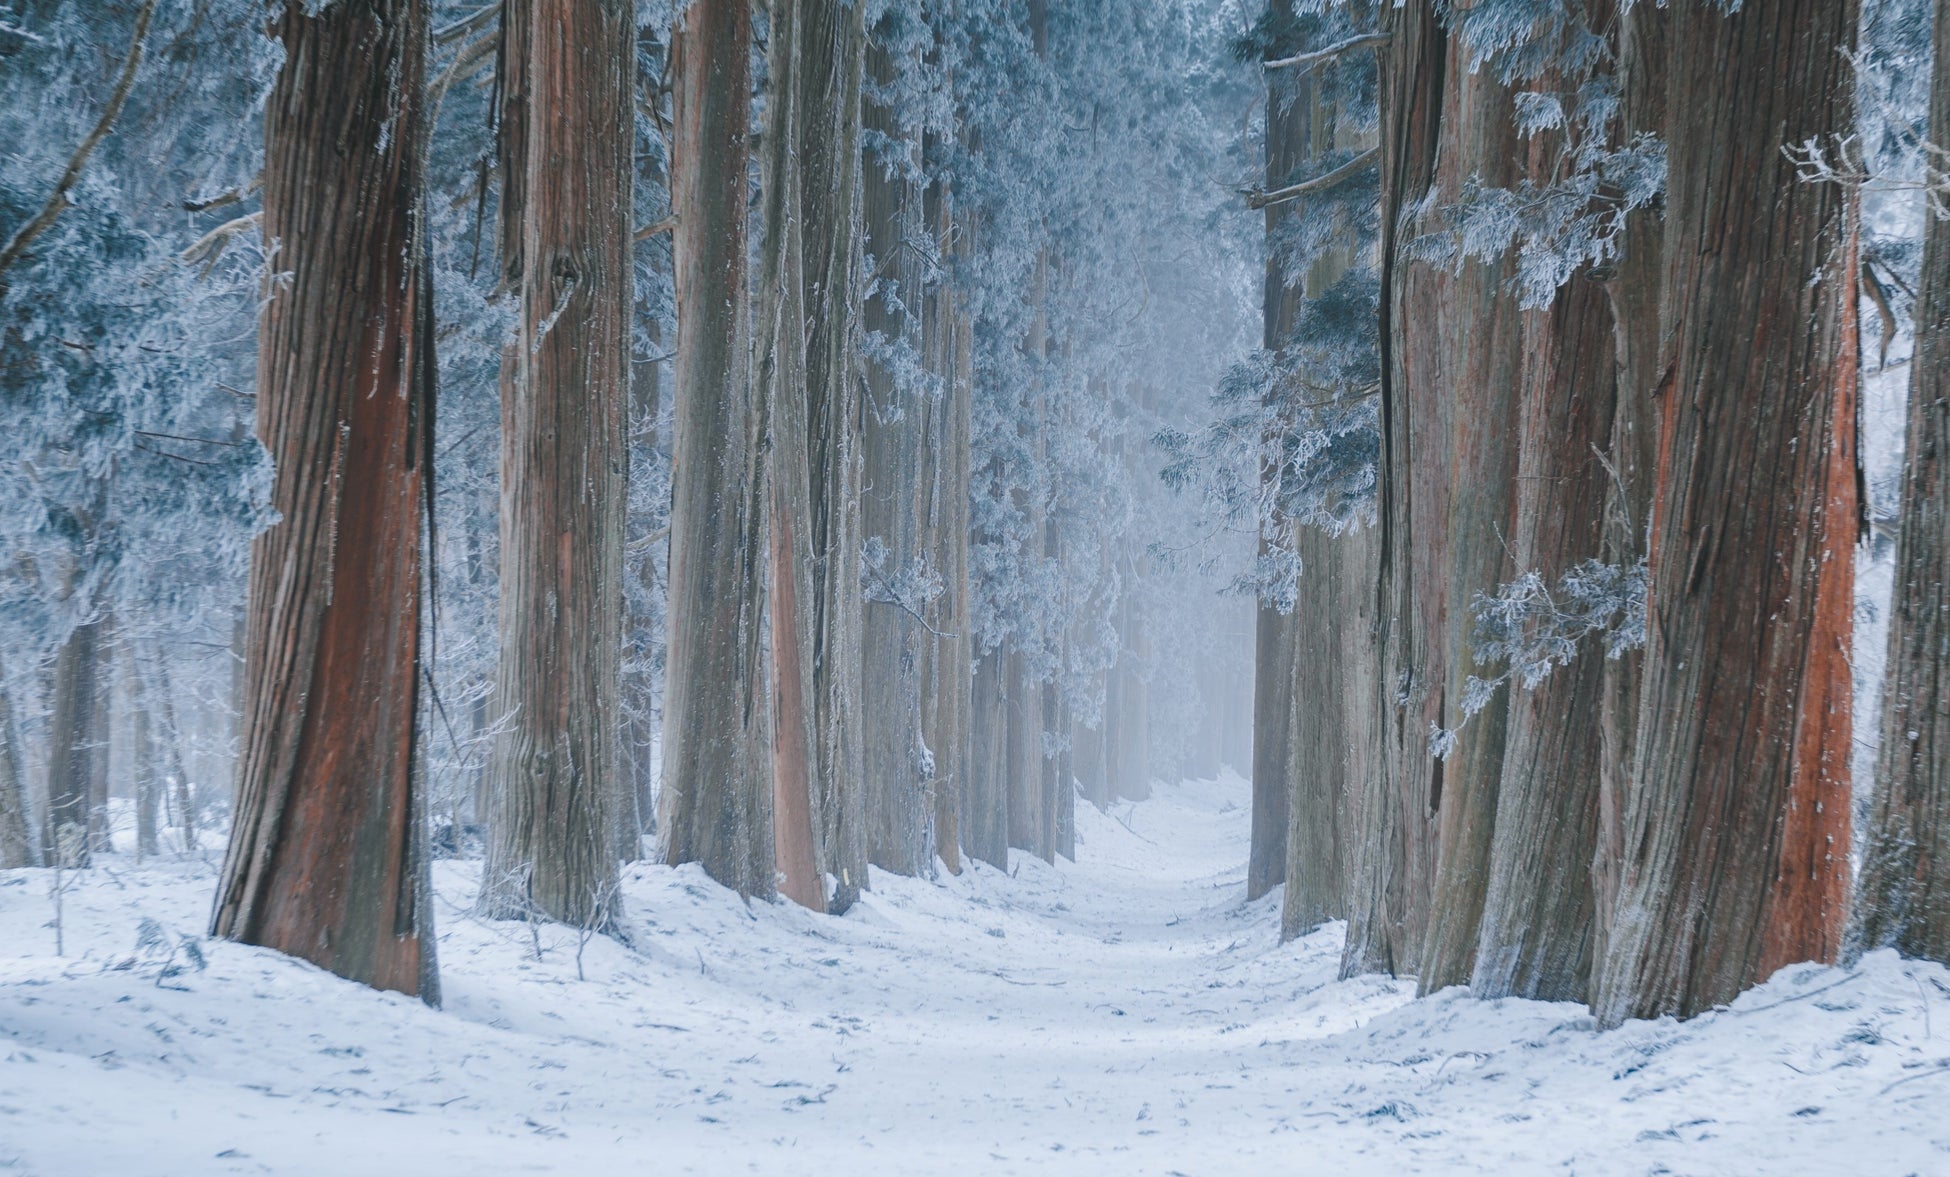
(1126, 1014)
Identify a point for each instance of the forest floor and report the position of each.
(1128, 1014)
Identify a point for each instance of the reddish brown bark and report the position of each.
(511, 84)
(1736, 817)
(327, 858)
(792, 818)
(1433, 333)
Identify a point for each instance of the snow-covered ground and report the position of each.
(1130, 1014)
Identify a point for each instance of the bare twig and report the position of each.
(1880, 298)
(213, 242)
(466, 25)
(468, 62)
(58, 202)
(1942, 1068)
(655, 227)
(649, 541)
(227, 196)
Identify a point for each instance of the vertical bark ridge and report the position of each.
(809, 336)
(1460, 375)
(946, 673)
(1644, 367)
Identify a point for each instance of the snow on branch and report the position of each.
(1351, 45)
(57, 202)
(1256, 198)
(1533, 628)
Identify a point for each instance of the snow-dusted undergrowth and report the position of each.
(1126, 1015)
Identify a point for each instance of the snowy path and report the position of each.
(1126, 1015)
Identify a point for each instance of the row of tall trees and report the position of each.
(897, 505)
(718, 434)
(1586, 644)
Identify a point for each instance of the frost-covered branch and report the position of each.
(1532, 629)
(1256, 198)
(655, 227)
(1556, 227)
(57, 202)
(1351, 45)
(1813, 164)
(212, 244)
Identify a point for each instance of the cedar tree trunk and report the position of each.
(892, 423)
(1736, 818)
(716, 802)
(1393, 840)
(553, 780)
(327, 856)
(806, 341)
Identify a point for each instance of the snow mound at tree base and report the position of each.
(1126, 1014)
